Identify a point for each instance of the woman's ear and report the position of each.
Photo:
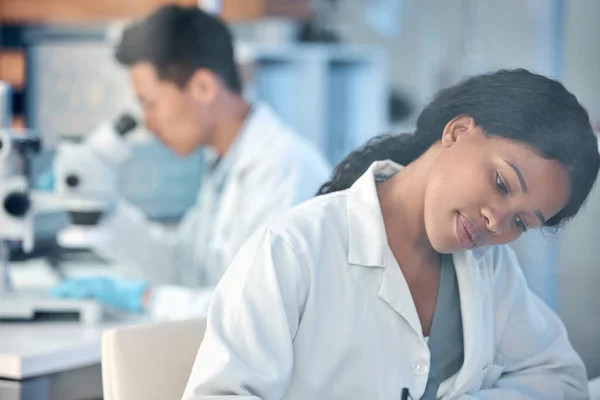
(457, 128)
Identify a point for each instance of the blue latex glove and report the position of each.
(117, 293)
(45, 180)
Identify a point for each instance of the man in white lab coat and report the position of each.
(181, 63)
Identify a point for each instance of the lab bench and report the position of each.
(51, 360)
(48, 361)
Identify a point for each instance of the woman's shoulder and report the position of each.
(314, 222)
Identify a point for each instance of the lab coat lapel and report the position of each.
(368, 243)
(395, 291)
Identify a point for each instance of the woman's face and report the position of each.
(487, 191)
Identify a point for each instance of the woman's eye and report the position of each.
(500, 185)
(520, 224)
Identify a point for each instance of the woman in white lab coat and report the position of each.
(396, 283)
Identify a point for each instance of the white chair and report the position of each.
(595, 389)
(147, 362)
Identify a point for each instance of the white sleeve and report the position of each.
(253, 318)
(133, 239)
(171, 302)
(540, 362)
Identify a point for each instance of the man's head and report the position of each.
(181, 62)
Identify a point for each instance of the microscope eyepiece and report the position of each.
(125, 124)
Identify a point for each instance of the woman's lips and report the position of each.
(466, 233)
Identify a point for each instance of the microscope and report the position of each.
(18, 207)
(86, 180)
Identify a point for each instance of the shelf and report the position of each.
(77, 11)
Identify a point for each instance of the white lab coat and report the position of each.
(268, 169)
(315, 306)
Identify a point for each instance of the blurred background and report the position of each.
(338, 72)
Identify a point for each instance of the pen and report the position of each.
(405, 394)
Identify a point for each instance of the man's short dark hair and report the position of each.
(178, 41)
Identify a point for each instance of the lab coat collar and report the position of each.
(364, 215)
(219, 168)
(246, 147)
(258, 131)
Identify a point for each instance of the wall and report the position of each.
(580, 260)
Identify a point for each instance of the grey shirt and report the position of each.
(446, 334)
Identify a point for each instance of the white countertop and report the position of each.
(35, 349)
(42, 348)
